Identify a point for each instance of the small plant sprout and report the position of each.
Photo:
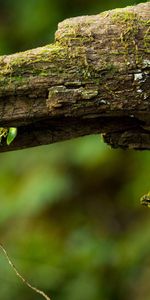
(8, 133)
(3, 133)
(145, 200)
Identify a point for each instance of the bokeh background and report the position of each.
(70, 215)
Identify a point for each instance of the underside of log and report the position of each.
(95, 78)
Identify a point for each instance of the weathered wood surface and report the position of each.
(93, 79)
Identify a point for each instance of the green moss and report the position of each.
(131, 26)
(147, 40)
(69, 53)
(37, 62)
(17, 78)
(122, 17)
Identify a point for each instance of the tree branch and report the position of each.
(93, 79)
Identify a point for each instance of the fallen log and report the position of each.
(93, 79)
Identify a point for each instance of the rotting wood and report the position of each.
(93, 79)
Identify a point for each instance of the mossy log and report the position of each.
(93, 79)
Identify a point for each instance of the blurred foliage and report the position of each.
(70, 215)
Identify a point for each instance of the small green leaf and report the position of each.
(12, 132)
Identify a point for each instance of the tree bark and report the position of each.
(93, 79)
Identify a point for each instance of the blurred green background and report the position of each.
(70, 215)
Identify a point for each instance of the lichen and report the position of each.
(138, 76)
(89, 93)
(146, 63)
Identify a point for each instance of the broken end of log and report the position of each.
(135, 140)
